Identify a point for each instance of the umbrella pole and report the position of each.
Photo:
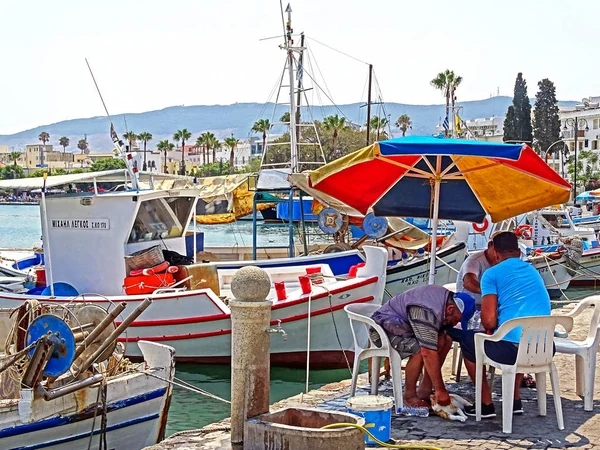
(434, 227)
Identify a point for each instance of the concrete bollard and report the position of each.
(250, 364)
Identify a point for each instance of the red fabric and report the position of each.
(361, 185)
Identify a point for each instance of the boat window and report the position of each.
(161, 218)
(557, 220)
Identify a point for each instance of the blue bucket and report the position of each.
(377, 412)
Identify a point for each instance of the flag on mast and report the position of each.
(113, 134)
(446, 123)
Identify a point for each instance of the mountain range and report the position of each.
(237, 119)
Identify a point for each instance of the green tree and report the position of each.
(285, 118)
(215, 144)
(83, 146)
(546, 124)
(182, 135)
(165, 146)
(107, 164)
(11, 172)
(378, 124)
(231, 142)
(404, 123)
(44, 137)
(130, 137)
(253, 165)
(447, 82)
(205, 141)
(64, 143)
(517, 124)
(262, 126)
(145, 137)
(14, 157)
(333, 125)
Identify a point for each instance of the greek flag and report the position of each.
(446, 124)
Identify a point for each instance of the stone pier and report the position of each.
(530, 431)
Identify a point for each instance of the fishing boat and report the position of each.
(56, 399)
(88, 242)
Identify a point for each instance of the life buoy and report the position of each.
(481, 227)
(524, 231)
(151, 271)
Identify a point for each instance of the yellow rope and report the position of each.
(383, 444)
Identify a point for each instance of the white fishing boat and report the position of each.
(50, 402)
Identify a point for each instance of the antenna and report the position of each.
(98, 89)
(128, 158)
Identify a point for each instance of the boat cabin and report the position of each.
(549, 225)
(87, 236)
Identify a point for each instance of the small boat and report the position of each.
(60, 402)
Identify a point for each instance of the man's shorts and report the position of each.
(503, 352)
(406, 346)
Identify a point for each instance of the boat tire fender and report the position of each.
(339, 247)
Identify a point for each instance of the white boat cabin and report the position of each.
(551, 224)
(88, 236)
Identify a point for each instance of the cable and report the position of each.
(383, 444)
(339, 51)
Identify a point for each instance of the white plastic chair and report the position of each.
(584, 351)
(534, 356)
(360, 322)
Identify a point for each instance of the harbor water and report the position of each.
(20, 229)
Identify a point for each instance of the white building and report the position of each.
(486, 129)
(587, 114)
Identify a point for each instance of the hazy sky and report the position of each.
(152, 54)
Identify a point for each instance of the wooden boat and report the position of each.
(69, 413)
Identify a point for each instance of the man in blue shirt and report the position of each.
(511, 289)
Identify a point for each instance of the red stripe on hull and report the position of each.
(325, 359)
(584, 283)
(222, 332)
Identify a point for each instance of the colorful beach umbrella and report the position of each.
(442, 178)
(588, 195)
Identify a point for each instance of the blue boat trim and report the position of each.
(86, 435)
(338, 265)
(64, 420)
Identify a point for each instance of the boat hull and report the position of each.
(400, 278)
(137, 408)
(198, 323)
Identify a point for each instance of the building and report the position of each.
(586, 112)
(35, 155)
(486, 129)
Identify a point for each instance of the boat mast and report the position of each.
(289, 42)
(369, 105)
(299, 93)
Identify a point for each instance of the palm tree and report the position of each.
(200, 145)
(404, 123)
(145, 137)
(215, 145)
(44, 137)
(231, 142)
(64, 143)
(14, 156)
(131, 137)
(165, 146)
(263, 126)
(379, 123)
(83, 146)
(447, 82)
(206, 140)
(182, 135)
(334, 124)
(285, 118)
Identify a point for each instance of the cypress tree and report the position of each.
(509, 125)
(518, 121)
(546, 122)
